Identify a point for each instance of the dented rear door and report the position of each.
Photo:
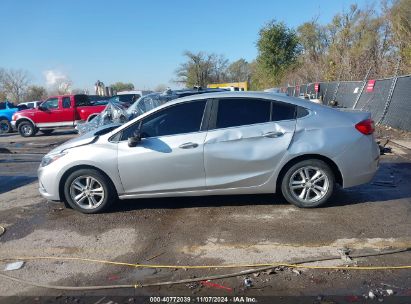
(244, 151)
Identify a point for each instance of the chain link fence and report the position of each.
(388, 100)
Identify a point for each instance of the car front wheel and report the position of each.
(89, 191)
(27, 129)
(308, 183)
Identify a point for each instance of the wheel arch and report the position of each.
(4, 118)
(22, 119)
(337, 173)
(79, 167)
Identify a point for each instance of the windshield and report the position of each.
(148, 102)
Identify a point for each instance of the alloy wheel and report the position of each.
(87, 192)
(27, 130)
(309, 184)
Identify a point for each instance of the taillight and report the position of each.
(366, 127)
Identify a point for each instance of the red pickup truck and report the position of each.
(56, 112)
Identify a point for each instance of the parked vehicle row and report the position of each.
(215, 144)
(7, 109)
(64, 111)
(56, 112)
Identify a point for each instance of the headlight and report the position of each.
(49, 158)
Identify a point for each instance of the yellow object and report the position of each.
(212, 266)
(237, 86)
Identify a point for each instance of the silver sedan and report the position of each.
(216, 144)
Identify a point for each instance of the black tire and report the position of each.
(5, 126)
(27, 129)
(47, 131)
(86, 206)
(308, 198)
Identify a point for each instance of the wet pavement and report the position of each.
(217, 230)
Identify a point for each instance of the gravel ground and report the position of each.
(216, 230)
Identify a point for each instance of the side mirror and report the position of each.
(134, 140)
(41, 108)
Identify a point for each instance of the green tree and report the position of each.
(35, 93)
(121, 86)
(278, 51)
(400, 21)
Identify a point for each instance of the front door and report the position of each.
(170, 155)
(55, 112)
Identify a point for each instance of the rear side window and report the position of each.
(235, 112)
(81, 100)
(2, 105)
(66, 102)
(283, 111)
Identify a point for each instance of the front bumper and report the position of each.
(48, 184)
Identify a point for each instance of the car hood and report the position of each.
(28, 111)
(86, 138)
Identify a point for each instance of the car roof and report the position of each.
(249, 94)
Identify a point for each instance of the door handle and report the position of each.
(189, 145)
(273, 134)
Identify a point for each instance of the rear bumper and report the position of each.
(360, 162)
(13, 124)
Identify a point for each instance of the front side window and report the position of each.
(235, 112)
(49, 104)
(66, 102)
(178, 119)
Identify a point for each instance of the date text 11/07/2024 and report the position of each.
(235, 299)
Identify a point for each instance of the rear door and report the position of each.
(247, 139)
(170, 154)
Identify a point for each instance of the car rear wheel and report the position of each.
(27, 129)
(89, 191)
(5, 126)
(308, 184)
(47, 131)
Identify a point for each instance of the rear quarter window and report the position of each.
(301, 112)
(283, 111)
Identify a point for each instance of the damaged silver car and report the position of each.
(216, 144)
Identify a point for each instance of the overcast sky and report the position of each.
(137, 41)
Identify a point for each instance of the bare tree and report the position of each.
(14, 84)
(239, 71)
(201, 69)
(160, 88)
(35, 93)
